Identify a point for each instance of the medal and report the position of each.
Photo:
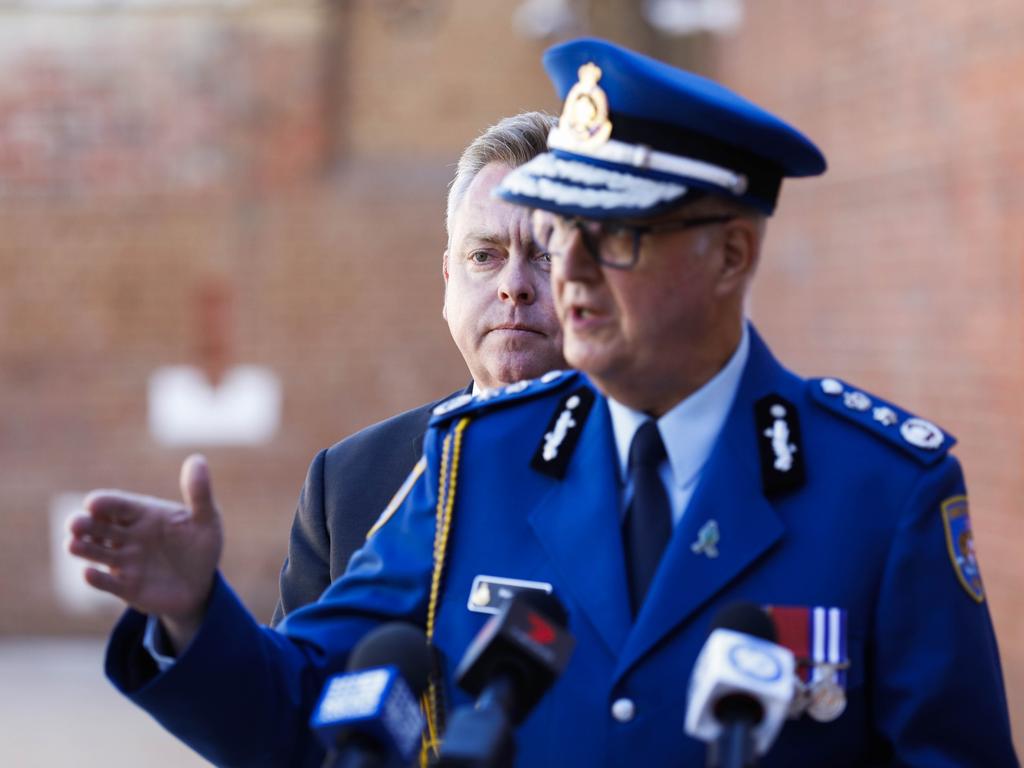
(826, 700)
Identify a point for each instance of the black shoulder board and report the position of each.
(563, 432)
(778, 441)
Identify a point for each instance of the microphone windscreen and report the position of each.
(741, 674)
(747, 618)
(399, 644)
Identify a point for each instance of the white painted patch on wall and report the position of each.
(186, 410)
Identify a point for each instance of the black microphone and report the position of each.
(741, 687)
(511, 663)
(370, 716)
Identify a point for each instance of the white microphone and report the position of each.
(741, 688)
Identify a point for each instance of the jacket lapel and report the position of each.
(728, 500)
(577, 524)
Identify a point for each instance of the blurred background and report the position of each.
(222, 228)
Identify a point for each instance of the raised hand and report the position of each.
(159, 556)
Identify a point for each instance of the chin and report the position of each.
(524, 367)
(585, 357)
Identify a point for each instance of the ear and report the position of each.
(741, 248)
(444, 299)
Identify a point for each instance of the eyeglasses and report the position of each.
(613, 242)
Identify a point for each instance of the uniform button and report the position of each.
(832, 387)
(623, 710)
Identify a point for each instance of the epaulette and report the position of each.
(500, 397)
(922, 439)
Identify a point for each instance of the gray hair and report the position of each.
(512, 141)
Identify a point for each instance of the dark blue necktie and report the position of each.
(648, 523)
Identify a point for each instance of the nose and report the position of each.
(517, 282)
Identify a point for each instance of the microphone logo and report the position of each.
(540, 631)
(755, 662)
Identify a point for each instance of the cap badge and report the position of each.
(585, 115)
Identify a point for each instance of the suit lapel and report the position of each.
(728, 495)
(577, 524)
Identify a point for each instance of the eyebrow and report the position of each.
(485, 237)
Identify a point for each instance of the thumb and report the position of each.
(196, 489)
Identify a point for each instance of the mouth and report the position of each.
(518, 328)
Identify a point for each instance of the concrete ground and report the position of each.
(57, 709)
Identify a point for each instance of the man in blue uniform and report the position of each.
(683, 470)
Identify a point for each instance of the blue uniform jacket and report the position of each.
(863, 531)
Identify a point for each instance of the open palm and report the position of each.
(157, 555)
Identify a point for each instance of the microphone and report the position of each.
(741, 687)
(369, 717)
(511, 663)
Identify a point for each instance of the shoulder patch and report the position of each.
(960, 544)
(563, 432)
(499, 397)
(922, 439)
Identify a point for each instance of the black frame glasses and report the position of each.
(612, 243)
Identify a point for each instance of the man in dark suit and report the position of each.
(499, 310)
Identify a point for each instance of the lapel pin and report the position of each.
(707, 540)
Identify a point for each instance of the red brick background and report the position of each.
(298, 152)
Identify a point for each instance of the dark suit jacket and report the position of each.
(347, 487)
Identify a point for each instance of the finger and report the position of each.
(96, 552)
(116, 506)
(103, 581)
(196, 488)
(83, 525)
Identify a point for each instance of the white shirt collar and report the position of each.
(690, 429)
